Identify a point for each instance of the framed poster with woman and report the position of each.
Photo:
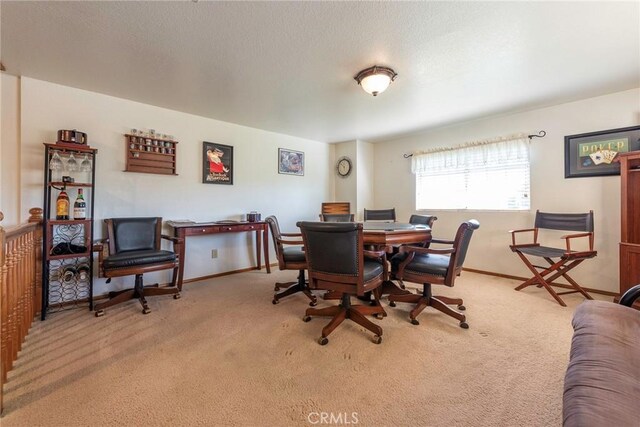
(217, 163)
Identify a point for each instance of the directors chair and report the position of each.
(567, 258)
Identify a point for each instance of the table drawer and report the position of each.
(208, 229)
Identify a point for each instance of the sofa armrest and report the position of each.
(630, 296)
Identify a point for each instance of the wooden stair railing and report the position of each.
(20, 287)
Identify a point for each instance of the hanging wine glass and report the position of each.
(85, 165)
(72, 164)
(55, 164)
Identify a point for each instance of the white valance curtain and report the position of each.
(502, 151)
(485, 175)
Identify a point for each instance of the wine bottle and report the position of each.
(83, 272)
(80, 206)
(68, 275)
(62, 205)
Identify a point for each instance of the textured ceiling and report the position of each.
(289, 67)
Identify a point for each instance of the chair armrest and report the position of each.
(291, 234)
(291, 242)
(374, 254)
(421, 250)
(175, 240)
(524, 230)
(568, 238)
(630, 296)
(442, 241)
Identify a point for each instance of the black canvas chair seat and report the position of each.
(135, 258)
(567, 259)
(543, 251)
(293, 254)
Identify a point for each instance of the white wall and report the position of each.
(9, 150)
(364, 169)
(550, 191)
(47, 107)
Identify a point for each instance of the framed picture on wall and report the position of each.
(217, 163)
(595, 153)
(290, 162)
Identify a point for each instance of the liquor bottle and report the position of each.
(80, 206)
(62, 205)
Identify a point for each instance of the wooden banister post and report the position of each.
(2, 306)
(35, 216)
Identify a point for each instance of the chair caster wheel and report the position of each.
(275, 301)
(177, 296)
(377, 339)
(146, 310)
(462, 308)
(276, 289)
(464, 325)
(415, 322)
(313, 303)
(379, 316)
(323, 340)
(392, 303)
(99, 313)
(306, 319)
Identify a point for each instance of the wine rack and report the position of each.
(67, 262)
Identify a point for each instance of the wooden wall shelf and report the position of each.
(150, 155)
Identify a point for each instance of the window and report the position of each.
(485, 176)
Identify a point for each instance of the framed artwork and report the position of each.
(290, 162)
(594, 153)
(217, 163)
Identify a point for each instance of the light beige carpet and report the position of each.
(224, 355)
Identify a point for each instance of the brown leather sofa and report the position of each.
(602, 383)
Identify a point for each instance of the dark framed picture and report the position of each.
(217, 163)
(290, 162)
(595, 153)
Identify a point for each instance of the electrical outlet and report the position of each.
(214, 253)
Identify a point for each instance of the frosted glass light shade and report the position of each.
(376, 79)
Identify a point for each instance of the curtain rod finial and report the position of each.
(540, 134)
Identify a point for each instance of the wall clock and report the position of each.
(344, 167)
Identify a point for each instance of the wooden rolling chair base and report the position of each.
(294, 287)
(427, 300)
(139, 292)
(344, 311)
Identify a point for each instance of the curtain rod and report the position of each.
(540, 134)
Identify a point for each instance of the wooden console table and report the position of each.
(185, 229)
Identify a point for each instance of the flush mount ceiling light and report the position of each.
(376, 79)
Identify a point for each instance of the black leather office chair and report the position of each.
(336, 262)
(567, 259)
(336, 217)
(423, 220)
(133, 248)
(433, 266)
(380, 214)
(291, 256)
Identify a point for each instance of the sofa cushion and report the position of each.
(602, 383)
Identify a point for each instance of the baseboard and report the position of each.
(560, 285)
(225, 273)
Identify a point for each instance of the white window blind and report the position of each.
(483, 176)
